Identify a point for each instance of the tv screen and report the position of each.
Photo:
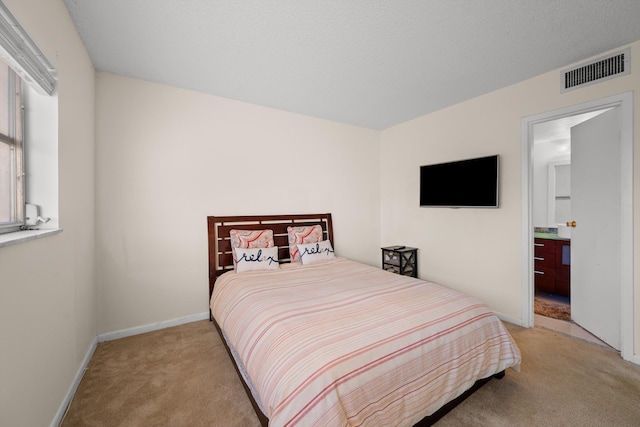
(471, 183)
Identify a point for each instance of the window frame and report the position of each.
(14, 138)
(37, 75)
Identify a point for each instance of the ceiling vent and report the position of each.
(599, 70)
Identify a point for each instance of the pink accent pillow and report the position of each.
(246, 239)
(297, 235)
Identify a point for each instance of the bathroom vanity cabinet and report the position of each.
(552, 266)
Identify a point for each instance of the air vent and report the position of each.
(599, 70)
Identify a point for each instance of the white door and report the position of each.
(595, 241)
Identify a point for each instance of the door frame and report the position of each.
(625, 103)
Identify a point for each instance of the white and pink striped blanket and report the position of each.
(342, 343)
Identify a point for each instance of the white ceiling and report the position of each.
(371, 63)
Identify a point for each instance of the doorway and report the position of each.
(625, 266)
(552, 213)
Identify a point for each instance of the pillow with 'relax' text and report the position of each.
(250, 239)
(253, 259)
(311, 253)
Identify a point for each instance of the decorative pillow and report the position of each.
(252, 259)
(298, 235)
(316, 252)
(250, 239)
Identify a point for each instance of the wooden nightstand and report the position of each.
(401, 260)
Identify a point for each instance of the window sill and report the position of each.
(14, 238)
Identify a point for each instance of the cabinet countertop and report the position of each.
(550, 236)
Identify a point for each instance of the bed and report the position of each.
(330, 341)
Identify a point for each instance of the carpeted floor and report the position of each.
(175, 377)
(182, 376)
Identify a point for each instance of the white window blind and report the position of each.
(21, 53)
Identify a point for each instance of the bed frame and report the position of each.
(220, 254)
(221, 261)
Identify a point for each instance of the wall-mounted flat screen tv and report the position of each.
(470, 183)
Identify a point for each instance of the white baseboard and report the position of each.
(57, 419)
(509, 319)
(109, 336)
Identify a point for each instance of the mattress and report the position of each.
(343, 343)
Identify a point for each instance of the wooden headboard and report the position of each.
(220, 255)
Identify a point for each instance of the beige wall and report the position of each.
(167, 158)
(479, 251)
(47, 286)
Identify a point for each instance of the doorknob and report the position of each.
(571, 224)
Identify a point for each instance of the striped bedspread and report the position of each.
(341, 343)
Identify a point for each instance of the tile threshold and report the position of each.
(569, 328)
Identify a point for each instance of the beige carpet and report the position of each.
(182, 376)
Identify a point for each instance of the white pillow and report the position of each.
(251, 259)
(316, 252)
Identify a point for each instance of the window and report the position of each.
(11, 151)
(28, 136)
